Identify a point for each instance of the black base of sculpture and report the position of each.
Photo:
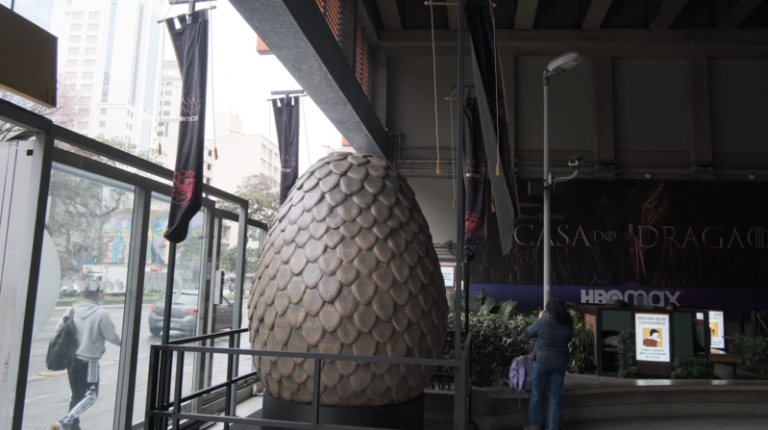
(404, 416)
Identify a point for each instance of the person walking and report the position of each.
(93, 326)
(553, 331)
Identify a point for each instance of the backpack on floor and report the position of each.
(62, 348)
(520, 374)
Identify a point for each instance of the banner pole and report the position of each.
(460, 203)
(547, 185)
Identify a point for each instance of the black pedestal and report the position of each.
(404, 416)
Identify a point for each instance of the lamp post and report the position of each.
(559, 65)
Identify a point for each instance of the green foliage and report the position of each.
(581, 348)
(688, 367)
(229, 258)
(627, 367)
(752, 353)
(261, 195)
(495, 343)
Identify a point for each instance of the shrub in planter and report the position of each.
(495, 343)
(582, 347)
(688, 367)
(752, 353)
(627, 367)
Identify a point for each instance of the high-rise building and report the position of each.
(112, 50)
(38, 11)
(240, 154)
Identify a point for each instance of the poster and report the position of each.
(717, 329)
(448, 268)
(652, 341)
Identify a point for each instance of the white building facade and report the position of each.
(113, 50)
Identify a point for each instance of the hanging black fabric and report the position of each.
(489, 86)
(475, 171)
(191, 45)
(287, 122)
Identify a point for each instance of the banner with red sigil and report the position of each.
(190, 42)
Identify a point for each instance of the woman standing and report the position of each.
(553, 331)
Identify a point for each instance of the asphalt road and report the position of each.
(47, 397)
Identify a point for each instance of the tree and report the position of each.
(70, 110)
(79, 210)
(229, 258)
(260, 193)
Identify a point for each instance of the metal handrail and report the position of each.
(159, 404)
(207, 336)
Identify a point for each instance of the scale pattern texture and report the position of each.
(348, 268)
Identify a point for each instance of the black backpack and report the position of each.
(61, 350)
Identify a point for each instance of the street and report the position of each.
(48, 393)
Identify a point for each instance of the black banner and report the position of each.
(287, 122)
(191, 45)
(682, 234)
(475, 171)
(489, 86)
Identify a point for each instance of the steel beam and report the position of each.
(738, 12)
(666, 13)
(390, 14)
(526, 14)
(298, 35)
(593, 20)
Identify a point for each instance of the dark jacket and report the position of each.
(552, 341)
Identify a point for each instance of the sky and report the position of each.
(242, 80)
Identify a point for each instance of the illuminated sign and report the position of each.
(717, 329)
(652, 337)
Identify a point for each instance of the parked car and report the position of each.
(184, 314)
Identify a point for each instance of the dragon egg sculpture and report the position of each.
(348, 267)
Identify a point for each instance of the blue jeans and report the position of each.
(544, 378)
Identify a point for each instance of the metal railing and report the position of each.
(161, 409)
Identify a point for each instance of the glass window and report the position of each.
(91, 39)
(74, 39)
(90, 51)
(168, 93)
(71, 63)
(166, 113)
(103, 111)
(70, 76)
(209, 166)
(85, 100)
(187, 315)
(263, 164)
(87, 76)
(93, 15)
(85, 249)
(102, 124)
(210, 153)
(75, 27)
(93, 27)
(77, 15)
(89, 63)
(86, 88)
(159, 133)
(101, 136)
(73, 51)
(167, 84)
(167, 103)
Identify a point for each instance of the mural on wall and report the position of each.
(700, 235)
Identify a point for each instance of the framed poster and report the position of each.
(448, 268)
(652, 337)
(717, 329)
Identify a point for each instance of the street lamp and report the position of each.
(559, 65)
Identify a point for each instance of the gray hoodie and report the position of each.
(94, 326)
